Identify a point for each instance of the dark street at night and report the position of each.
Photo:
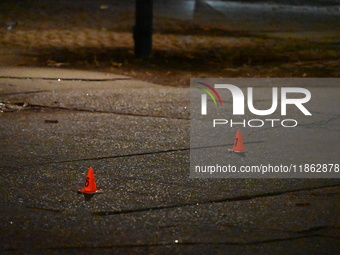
(74, 95)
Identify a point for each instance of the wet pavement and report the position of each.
(56, 123)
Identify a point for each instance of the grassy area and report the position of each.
(71, 34)
(179, 53)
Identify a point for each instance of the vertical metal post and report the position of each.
(142, 31)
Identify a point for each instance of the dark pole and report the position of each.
(142, 31)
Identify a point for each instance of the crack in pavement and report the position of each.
(44, 209)
(303, 231)
(29, 106)
(136, 154)
(112, 112)
(64, 79)
(23, 93)
(216, 201)
(313, 229)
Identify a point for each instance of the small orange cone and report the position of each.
(238, 144)
(90, 186)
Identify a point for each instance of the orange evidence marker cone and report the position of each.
(238, 143)
(90, 186)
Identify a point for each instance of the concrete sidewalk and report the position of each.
(56, 123)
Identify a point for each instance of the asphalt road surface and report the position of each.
(56, 123)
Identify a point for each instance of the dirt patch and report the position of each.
(98, 36)
(176, 57)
